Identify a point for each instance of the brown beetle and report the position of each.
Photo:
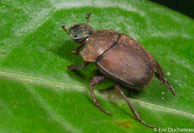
(118, 57)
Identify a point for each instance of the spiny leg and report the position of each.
(162, 78)
(95, 81)
(117, 87)
(73, 67)
(88, 16)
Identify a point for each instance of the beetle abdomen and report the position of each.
(128, 63)
(98, 43)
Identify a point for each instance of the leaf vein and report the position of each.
(70, 87)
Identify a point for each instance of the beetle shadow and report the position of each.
(131, 93)
(64, 51)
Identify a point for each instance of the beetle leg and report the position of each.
(117, 87)
(95, 81)
(162, 79)
(72, 67)
(77, 50)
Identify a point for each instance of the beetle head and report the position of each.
(80, 32)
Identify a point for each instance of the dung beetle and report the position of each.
(119, 57)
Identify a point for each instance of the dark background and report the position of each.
(183, 6)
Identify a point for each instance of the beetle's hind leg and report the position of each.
(162, 78)
(95, 81)
(117, 87)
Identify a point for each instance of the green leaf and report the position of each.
(39, 94)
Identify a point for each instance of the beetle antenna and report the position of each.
(65, 29)
(88, 16)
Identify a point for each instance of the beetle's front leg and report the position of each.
(77, 50)
(73, 67)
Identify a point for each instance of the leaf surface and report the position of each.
(39, 94)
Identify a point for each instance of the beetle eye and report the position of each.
(75, 36)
